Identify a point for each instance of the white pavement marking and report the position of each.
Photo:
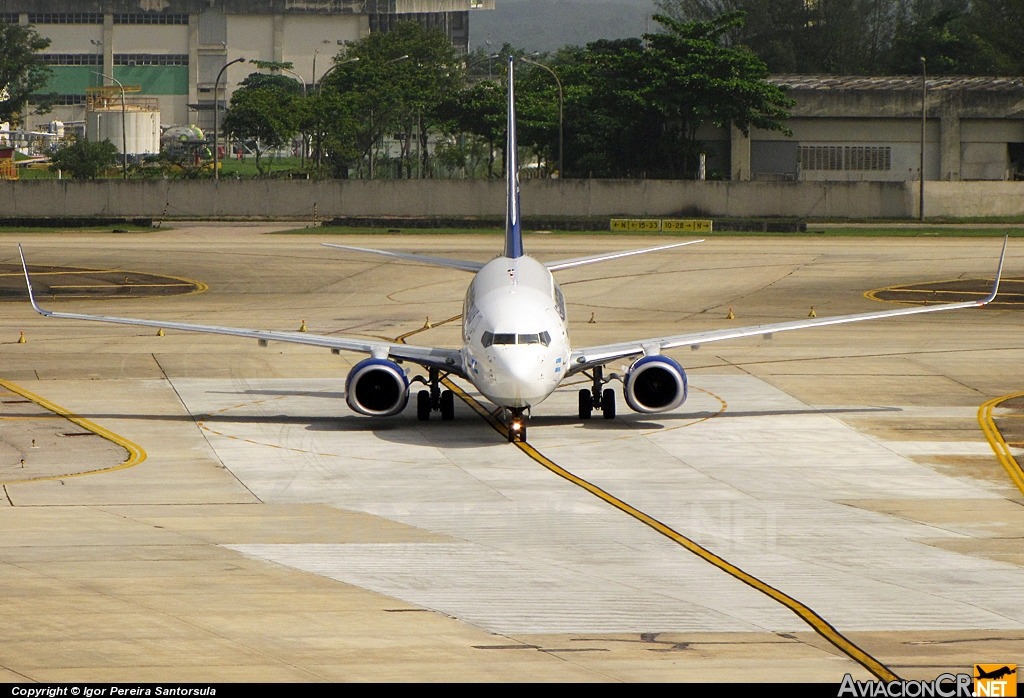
(768, 485)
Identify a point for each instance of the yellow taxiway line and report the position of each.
(997, 442)
(135, 452)
(817, 623)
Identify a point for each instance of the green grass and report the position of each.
(90, 229)
(812, 231)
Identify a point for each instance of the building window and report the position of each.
(860, 158)
(150, 59)
(10, 17)
(73, 58)
(65, 18)
(58, 100)
(150, 18)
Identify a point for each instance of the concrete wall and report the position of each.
(970, 199)
(295, 199)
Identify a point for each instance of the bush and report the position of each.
(84, 160)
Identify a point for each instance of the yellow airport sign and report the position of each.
(654, 225)
(686, 225)
(633, 224)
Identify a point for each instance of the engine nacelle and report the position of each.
(377, 388)
(655, 384)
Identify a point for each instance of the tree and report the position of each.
(83, 159)
(696, 80)
(398, 86)
(266, 110)
(23, 71)
(948, 44)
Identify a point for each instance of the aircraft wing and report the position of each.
(586, 358)
(460, 264)
(594, 259)
(448, 360)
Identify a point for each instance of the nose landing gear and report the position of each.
(434, 399)
(517, 426)
(596, 398)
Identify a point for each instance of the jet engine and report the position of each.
(377, 388)
(655, 384)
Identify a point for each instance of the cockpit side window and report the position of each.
(545, 338)
(487, 339)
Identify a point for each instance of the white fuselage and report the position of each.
(515, 334)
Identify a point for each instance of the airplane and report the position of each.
(995, 674)
(515, 333)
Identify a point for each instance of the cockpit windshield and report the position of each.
(490, 338)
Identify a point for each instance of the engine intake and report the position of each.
(655, 384)
(377, 388)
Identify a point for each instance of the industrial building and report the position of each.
(174, 49)
(869, 129)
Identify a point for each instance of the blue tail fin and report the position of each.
(513, 232)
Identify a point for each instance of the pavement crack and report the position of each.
(200, 429)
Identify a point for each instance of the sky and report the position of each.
(545, 25)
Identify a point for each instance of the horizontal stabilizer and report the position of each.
(580, 261)
(460, 264)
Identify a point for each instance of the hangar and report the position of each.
(869, 129)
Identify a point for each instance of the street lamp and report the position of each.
(325, 41)
(393, 60)
(561, 106)
(216, 115)
(320, 84)
(924, 122)
(124, 127)
(319, 91)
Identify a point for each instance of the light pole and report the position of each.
(561, 106)
(320, 84)
(393, 60)
(319, 91)
(124, 126)
(924, 122)
(325, 41)
(216, 116)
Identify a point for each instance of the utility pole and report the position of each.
(124, 126)
(924, 123)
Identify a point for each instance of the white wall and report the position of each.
(250, 37)
(150, 38)
(72, 38)
(304, 34)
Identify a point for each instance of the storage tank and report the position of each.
(142, 129)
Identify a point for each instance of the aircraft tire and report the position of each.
(608, 403)
(586, 404)
(447, 405)
(423, 405)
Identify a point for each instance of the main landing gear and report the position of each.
(597, 399)
(516, 425)
(435, 399)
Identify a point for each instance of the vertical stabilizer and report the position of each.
(513, 232)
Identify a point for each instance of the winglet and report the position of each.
(999, 273)
(513, 231)
(28, 282)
